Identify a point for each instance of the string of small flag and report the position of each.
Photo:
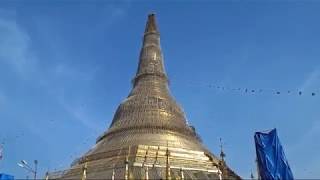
(259, 90)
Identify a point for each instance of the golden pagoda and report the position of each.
(149, 137)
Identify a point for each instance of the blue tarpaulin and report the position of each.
(6, 177)
(272, 163)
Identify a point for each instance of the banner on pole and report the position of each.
(271, 160)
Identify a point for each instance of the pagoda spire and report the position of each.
(150, 105)
(151, 58)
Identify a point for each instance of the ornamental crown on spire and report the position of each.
(151, 25)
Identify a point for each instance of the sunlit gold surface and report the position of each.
(146, 125)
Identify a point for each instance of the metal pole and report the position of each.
(113, 174)
(182, 175)
(35, 169)
(84, 171)
(127, 169)
(147, 173)
(220, 174)
(47, 175)
(126, 176)
(25, 166)
(168, 175)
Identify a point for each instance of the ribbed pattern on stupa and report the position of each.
(150, 104)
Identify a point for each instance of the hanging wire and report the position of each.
(258, 90)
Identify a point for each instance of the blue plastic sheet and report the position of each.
(272, 163)
(6, 177)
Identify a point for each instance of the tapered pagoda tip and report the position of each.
(151, 26)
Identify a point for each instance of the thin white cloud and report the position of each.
(2, 100)
(15, 48)
(62, 70)
(306, 142)
(117, 12)
(78, 112)
(312, 80)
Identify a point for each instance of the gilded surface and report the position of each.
(149, 136)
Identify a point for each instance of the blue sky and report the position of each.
(66, 65)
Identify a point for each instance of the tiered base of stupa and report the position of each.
(144, 162)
